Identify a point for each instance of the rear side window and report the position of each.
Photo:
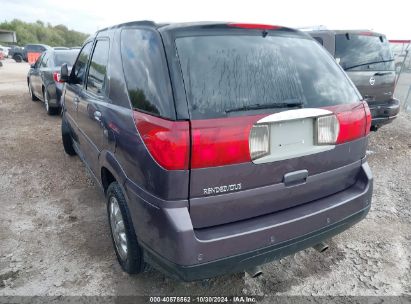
(78, 73)
(98, 67)
(223, 73)
(38, 61)
(363, 52)
(146, 73)
(45, 60)
(319, 40)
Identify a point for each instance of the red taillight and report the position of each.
(221, 141)
(56, 77)
(254, 26)
(225, 141)
(167, 141)
(353, 121)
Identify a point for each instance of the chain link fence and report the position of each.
(402, 56)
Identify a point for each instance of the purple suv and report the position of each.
(219, 146)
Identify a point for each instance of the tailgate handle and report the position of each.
(295, 178)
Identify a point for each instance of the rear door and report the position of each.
(368, 61)
(38, 84)
(46, 73)
(74, 87)
(91, 105)
(254, 100)
(35, 76)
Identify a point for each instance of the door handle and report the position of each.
(76, 99)
(382, 73)
(295, 178)
(97, 115)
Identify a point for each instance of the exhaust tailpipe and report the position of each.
(254, 272)
(321, 247)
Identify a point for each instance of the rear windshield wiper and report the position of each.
(259, 106)
(367, 63)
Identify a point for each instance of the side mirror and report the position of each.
(64, 73)
(33, 65)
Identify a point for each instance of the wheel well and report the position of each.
(106, 178)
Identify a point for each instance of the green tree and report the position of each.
(39, 32)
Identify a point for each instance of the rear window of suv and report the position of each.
(359, 52)
(222, 73)
(68, 57)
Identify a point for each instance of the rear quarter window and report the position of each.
(319, 40)
(146, 73)
(45, 60)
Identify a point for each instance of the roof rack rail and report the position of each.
(140, 22)
(313, 28)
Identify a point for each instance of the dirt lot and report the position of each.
(54, 237)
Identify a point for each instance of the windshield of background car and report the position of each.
(363, 52)
(227, 72)
(65, 57)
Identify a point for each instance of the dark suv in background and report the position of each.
(19, 54)
(367, 58)
(219, 146)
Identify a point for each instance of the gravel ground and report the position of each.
(54, 237)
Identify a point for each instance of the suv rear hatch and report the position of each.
(274, 122)
(367, 59)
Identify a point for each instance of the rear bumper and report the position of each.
(54, 91)
(172, 244)
(384, 113)
(253, 258)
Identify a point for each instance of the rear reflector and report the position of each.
(254, 26)
(259, 141)
(328, 129)
(167, 141)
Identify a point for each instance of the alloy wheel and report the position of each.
(46, 101)
(117, 228)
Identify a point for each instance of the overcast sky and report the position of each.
(392, 18)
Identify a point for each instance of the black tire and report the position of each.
(67, 139)
(18, 58)
(133, 262)
(33, 97)
(50, 110)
